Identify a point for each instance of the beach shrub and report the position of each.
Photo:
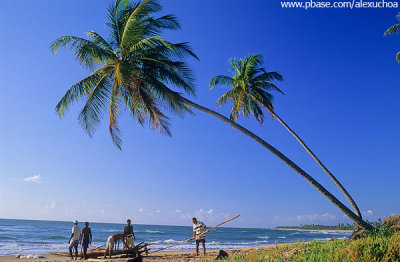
(379, 245)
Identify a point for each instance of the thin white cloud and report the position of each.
(210, 211)
(368, 212)
(315, 217)
(33, 179)
(158, 211)
(46, 209)
(140, 209)
(178, 211)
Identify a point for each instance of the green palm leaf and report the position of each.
(394, 30)
(91, 114)
(87, 52)
(79, 90)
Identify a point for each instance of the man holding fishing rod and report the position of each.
(199, 229)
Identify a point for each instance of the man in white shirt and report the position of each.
(74, 239)
(198, 232)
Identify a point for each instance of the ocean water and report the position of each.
(37, 237)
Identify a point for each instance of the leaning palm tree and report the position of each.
(135, 69)
(250, 91)
(394, 30)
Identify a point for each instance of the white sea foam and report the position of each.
(153, 232)
(170, 241)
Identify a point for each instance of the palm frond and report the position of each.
(269, 76)
(149, 43)
(260, 96)
(165, 22)
(91, 114)
(115, 102)
(393, 30)
(99, 41)
(176, 73)
(250, 64)
(79, 90)
(149, 104)
(87, 52)
(170, 99)
(230, 95)
(234, 66)
(221, 80)
(256, 111)
(135, 25)
(116, 14)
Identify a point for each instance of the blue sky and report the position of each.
(341, 84)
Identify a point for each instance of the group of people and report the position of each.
(78, 236)
(84, 238)
(127, 238)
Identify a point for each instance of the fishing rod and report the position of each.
(184, 241)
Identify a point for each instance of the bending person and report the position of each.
(111, 243)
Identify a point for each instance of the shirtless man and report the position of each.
(86, 238)
(129, 234)
(111, 242)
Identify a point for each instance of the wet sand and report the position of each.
(173, 256)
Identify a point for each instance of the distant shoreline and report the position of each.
(303, 229)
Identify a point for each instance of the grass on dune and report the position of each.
(375, 246)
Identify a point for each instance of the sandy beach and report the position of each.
(174, 256)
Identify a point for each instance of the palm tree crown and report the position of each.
(251, 86)
(394, 30)
(131, 70)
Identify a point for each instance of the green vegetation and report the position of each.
(320, 227)
(379, 244)
(376, 226)
(395, 30)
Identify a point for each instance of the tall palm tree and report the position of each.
(394, 30)
(134, 69)
(250, 92)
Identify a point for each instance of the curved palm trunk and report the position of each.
(286, 160)
(332, 177)
(337, 183)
